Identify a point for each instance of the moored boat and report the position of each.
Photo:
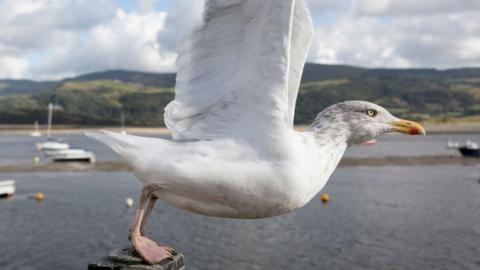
(470, 149)
(52, 145)
(467, 152)
(72, 155)
(7, 188)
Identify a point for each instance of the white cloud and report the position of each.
(325, 6)
(146, 6)
(357, 41)
(74, 37)
(183, 16)
(32, 24)
(42, 39)
(413, 7)
(430, 40)
(12, 67)
(470, 49)
(126, 42)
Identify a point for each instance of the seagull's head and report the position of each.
(361, 121)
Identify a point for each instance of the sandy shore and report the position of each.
(116, 166)
(470, 127)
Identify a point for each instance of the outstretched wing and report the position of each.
(239, 74)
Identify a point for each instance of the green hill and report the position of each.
(144, 78)
(22, 87)
(99, 98)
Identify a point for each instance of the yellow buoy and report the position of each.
(325, 197)
(39, 196)
(36, 159)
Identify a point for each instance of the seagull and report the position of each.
(234, 152)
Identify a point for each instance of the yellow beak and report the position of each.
(407, 127)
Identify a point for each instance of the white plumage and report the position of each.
(234, 152)
(239, 74)
(228, 177)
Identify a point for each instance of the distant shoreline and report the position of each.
(467, 127)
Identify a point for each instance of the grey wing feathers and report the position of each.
(238, 75)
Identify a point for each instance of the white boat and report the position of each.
(7, 188)
(51, 144)
(36, 132)
(78, 155)
(469, 149)
(60, 151)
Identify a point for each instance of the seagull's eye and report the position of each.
(371, 112)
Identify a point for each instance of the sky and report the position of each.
(53, 39)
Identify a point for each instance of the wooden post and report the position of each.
(126, 258)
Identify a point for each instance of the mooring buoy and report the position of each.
(129, 202)
(325, 198)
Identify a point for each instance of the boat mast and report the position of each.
(122, 119)
(49, 127)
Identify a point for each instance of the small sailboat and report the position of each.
(51, 144)
(60, 151)
(36, 132)
(7, 188)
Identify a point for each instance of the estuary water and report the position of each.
(392, 217)
(21, 148)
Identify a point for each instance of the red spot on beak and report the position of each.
(414, 131)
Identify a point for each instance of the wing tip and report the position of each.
(112, 139)
(96, 134)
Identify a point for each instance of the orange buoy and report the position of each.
(39, 196)
(325, 197)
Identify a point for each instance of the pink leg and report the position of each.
(146, 248)
(153, 198)
(150, 201)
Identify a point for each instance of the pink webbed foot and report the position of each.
(146, 248)
(150, 251)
